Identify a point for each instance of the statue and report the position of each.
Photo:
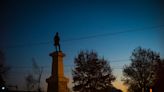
(56, 42)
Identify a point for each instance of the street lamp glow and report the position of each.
(3, 88)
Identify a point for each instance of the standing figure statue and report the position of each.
(56, 42)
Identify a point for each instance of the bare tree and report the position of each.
(3, 69)
(33, 80)
(30, 82)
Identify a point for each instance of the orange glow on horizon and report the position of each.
(119, 85)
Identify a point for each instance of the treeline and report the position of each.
(93, 73)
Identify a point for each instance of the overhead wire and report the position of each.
(70, 65)
(113, 33)
(83, 38)
(86, 37)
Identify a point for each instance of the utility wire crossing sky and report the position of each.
(111, 28)
(89, 37)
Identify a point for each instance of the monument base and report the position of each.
(57, 84)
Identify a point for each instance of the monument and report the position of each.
(57, 82)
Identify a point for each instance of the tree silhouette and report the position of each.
(158, 86)
(91, 73)
(3, 69)
(140, 74)
(30, 82)
(33, 79)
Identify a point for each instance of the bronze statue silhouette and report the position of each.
(56, 42)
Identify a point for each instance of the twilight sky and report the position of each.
(111, 28)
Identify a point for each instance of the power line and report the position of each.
(87, 37)
(30, 67)
(113, 33)
(70, 65)
(45, 67)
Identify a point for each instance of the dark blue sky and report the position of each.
(28, 27)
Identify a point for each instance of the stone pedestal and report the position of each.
(57, 82)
